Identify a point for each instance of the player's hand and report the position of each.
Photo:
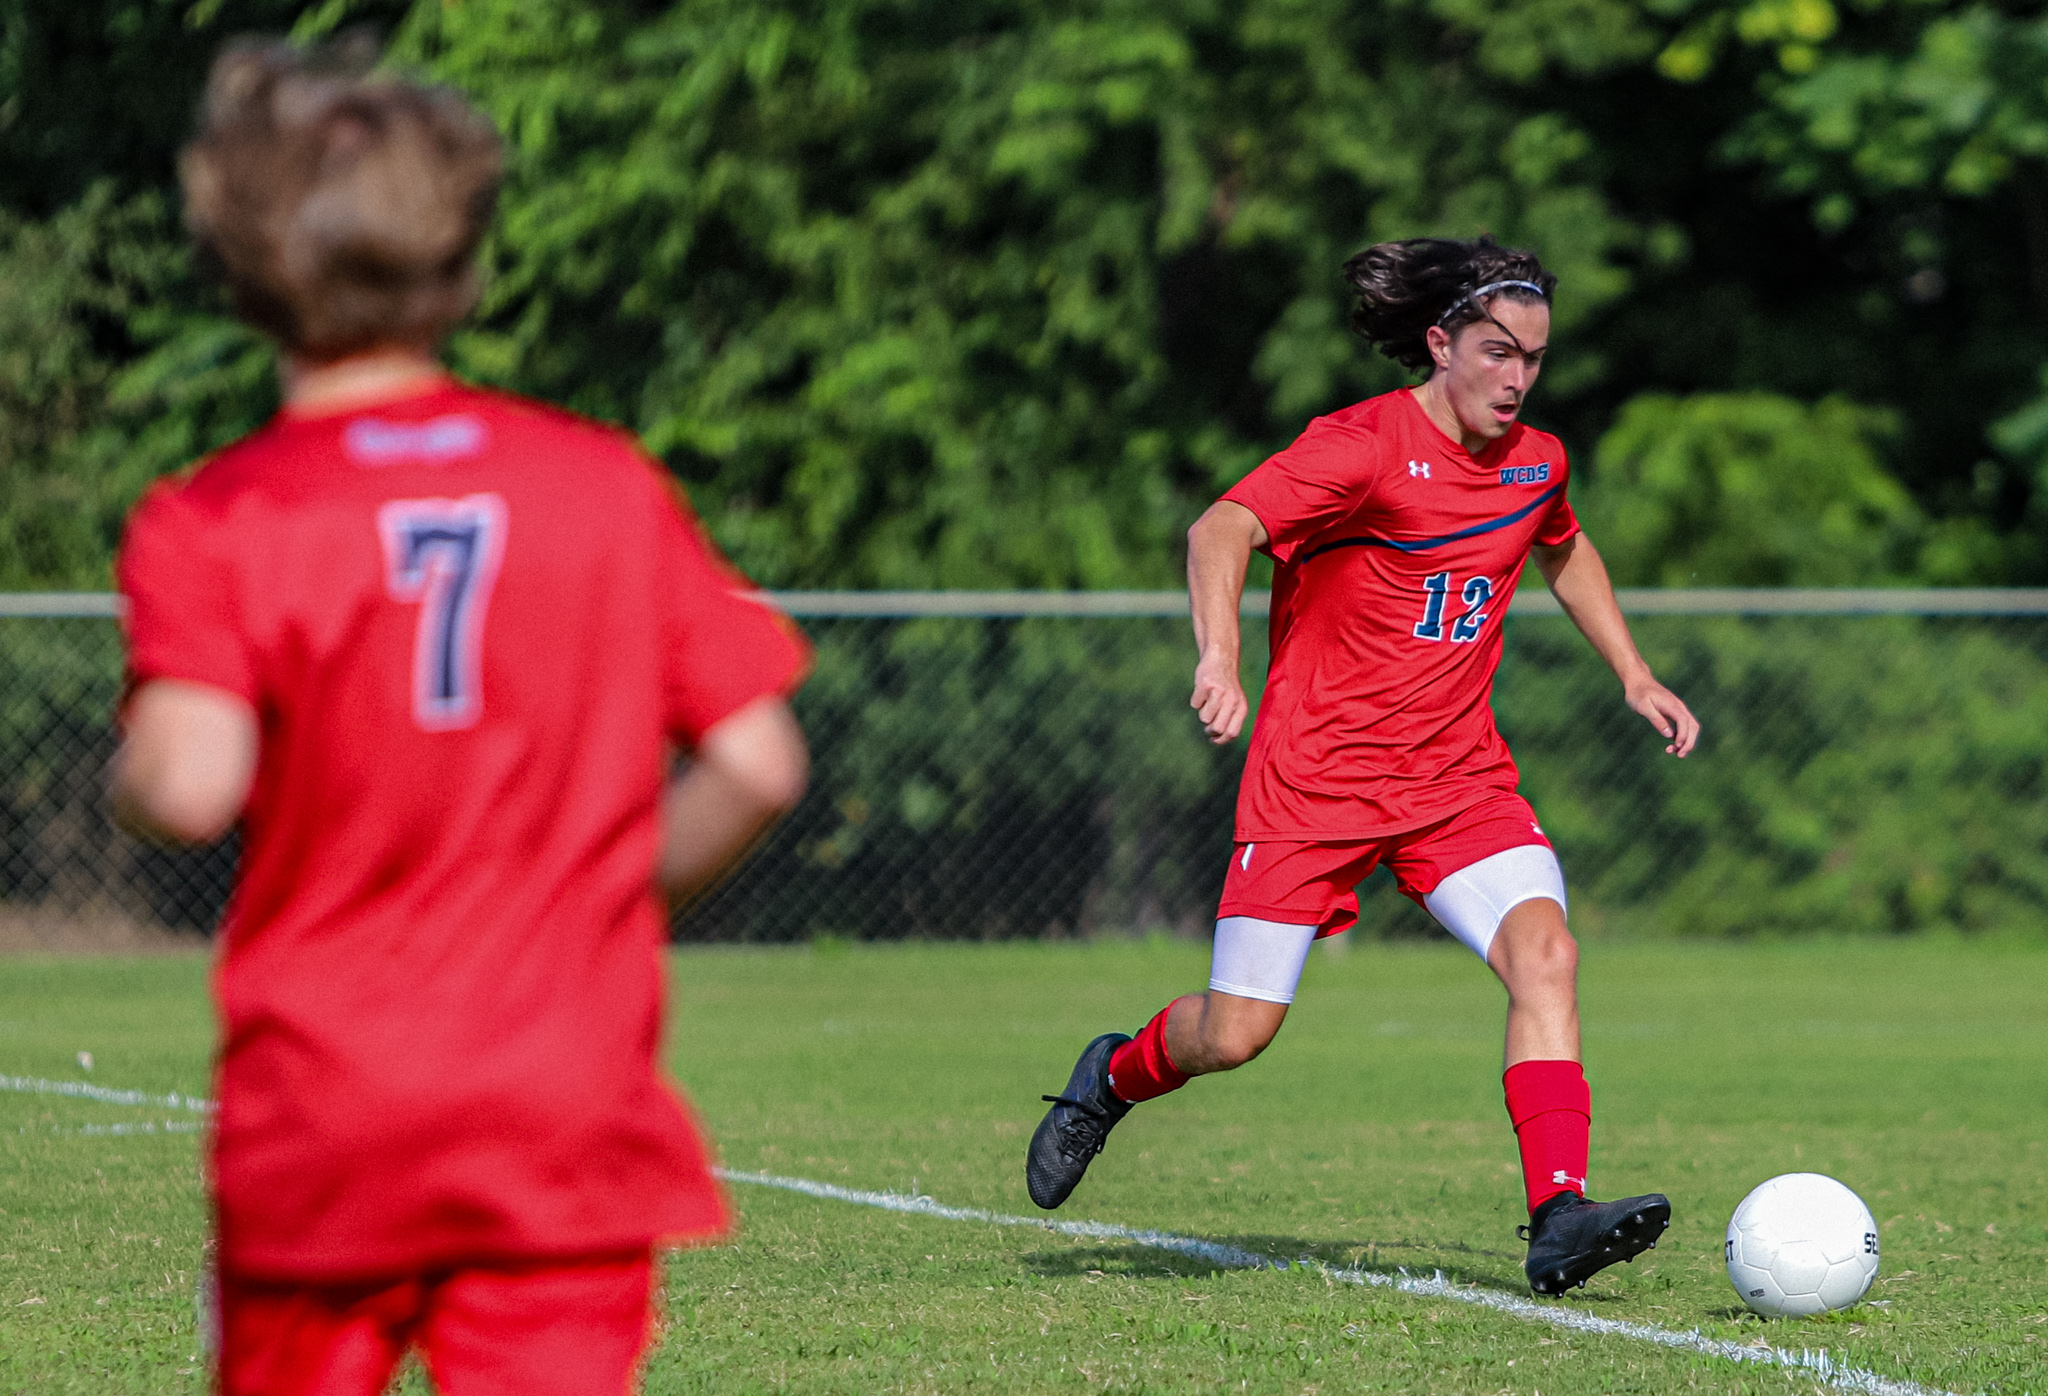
(1667, 713)
(1219, 699)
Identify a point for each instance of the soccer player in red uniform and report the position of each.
(433, 647)
(1398, 528)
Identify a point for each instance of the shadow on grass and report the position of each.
(1126, 1262)
(1392, 1260)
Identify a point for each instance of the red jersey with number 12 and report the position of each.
(1396, 553)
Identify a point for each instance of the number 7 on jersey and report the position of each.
(443, 555)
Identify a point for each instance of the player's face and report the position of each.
(1489, 367)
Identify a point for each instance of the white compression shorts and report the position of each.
(1256, 959)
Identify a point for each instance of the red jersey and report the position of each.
(470, 626)
(1396, 553)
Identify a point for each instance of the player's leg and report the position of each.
(1537, 961)
(555, 1328)
(1571, 1238)
(1509, 907)
(313, 1340)
(1276, 898)
(1194, 1035)
(1548, 1099)
(1254, 968)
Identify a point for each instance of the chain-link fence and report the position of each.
(1027, 765)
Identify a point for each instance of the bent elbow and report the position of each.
(197, 821)
(760, 756)
(779, 780)
(177, 811)
(762, 753)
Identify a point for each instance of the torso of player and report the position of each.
(1396, 555)
(469, 626)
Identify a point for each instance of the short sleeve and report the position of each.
(725, 643)
(182, 614)
(1318, 481)
(1559, 524)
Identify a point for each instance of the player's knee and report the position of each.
(1551, 963)
(1560, 951)
(1538, 952)
(1233, 1052)
(1233, 1044)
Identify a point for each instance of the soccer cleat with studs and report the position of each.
(1572, 1239)
(1078, 1125)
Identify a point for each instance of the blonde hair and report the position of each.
(343, 209)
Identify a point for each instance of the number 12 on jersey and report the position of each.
(1436, 589)
(443, 555)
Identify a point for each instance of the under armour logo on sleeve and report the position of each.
(1419, 467)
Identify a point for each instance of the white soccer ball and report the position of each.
(1801, 1244)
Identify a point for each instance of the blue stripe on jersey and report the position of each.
(1424, 544)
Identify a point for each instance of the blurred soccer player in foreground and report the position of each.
(1398, 528)
(433, 647)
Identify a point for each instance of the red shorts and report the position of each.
(550, 1328)
(1302, 884)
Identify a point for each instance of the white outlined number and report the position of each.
(442, 555)
(1436, 587)
(1478, 591)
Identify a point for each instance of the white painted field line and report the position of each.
(130, 1127)
(1818, 1364)
(106, 1095)
(1229, 1257)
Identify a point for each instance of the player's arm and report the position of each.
(1578, 578)
(1219, 549)
(187, 759)
(748, 771)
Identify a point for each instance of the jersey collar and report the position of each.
(1486, 459)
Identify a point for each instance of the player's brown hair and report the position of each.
(342, 208)
(1405, 287)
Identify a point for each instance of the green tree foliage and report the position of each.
(116, 361)
(1914, 133)
(982, 293)
(1751, 489)
(107, 379)
(60, 282)
(1000, 292)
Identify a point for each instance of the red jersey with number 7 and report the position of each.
(470, 628)
(1395, 554)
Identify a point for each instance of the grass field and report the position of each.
(1371, 1133)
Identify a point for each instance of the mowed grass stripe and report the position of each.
(1371, 1136)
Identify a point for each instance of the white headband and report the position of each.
(1488, 289)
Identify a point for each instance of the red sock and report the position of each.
(1141, 1068)
(1552, 1110)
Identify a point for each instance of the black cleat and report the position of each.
(1078, 1125)
(1571, 1239)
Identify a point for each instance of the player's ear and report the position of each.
(1439, 341)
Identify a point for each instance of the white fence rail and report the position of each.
(1530, 600)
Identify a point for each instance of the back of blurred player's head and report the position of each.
(343, 209)
(1406, 287)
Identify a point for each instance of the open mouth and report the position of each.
(1506, 411)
